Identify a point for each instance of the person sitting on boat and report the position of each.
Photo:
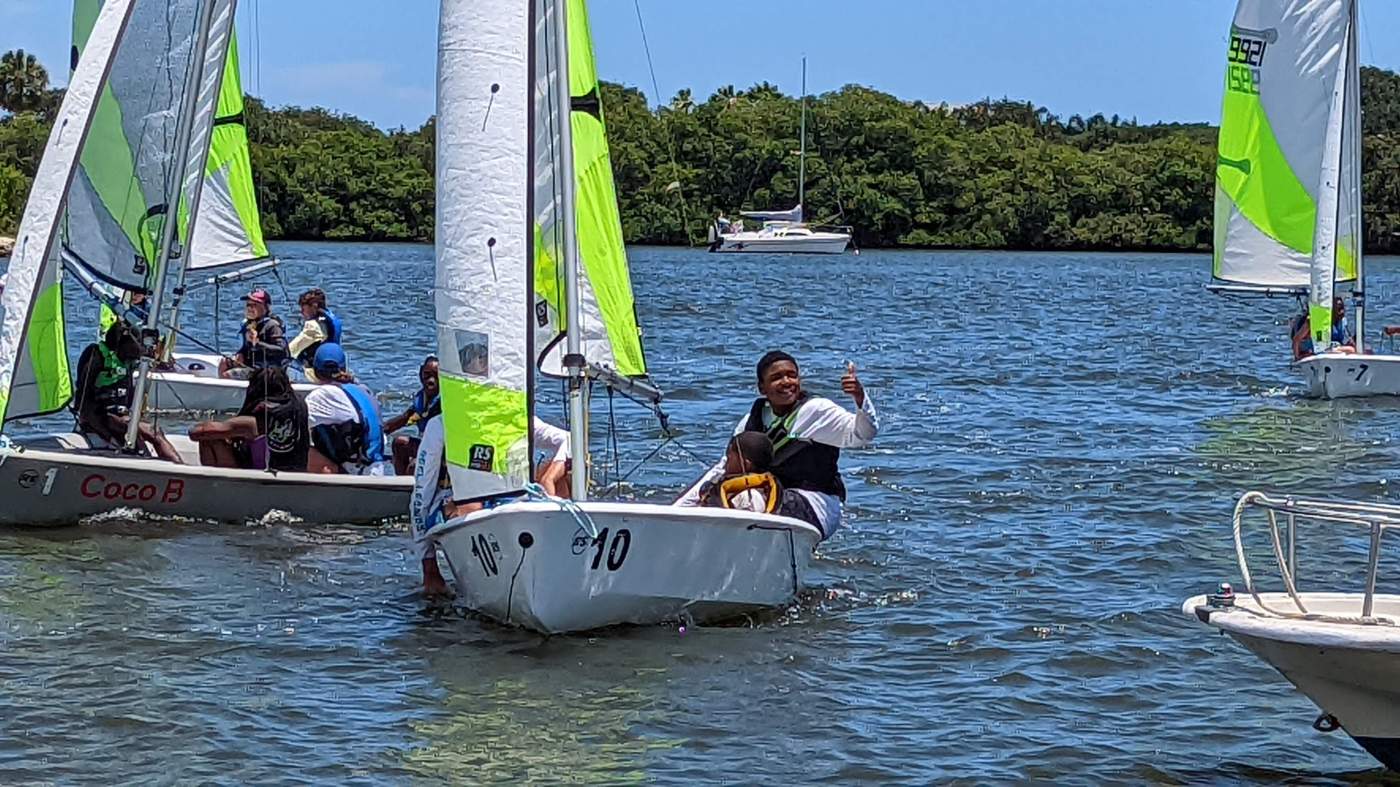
(270, 432)
(747, 484)
(808, 433)
(432, 501)
(104, 392)
(346, 434)
(425, 405)
(320, 325)
(264, 339)
(1300, 330)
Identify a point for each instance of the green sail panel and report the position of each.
(483, 288)
(610, 335)
(1281, 67)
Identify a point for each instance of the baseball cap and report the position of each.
(329, 361)
(258, 296)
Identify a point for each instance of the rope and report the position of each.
(536, 493)
(670, 140)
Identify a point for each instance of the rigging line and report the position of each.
(670, 140)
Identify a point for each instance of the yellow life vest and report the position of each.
(764, 482)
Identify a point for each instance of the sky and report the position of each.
(1146, 59)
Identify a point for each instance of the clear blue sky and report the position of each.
(1150, 59)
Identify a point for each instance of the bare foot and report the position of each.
(434, 585)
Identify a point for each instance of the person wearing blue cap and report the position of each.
(346, 433)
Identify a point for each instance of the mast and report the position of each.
(573, 341)
(167, 345)
(1351, 121)
(802, 149)
(182, 145)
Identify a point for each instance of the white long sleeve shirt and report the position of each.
(821, 421)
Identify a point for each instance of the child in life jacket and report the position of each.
(746, 484)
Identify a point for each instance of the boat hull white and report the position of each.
(1350, 671)
(760, 243)
(194, 385)
(1343, 375)
(533, 564)
(56, 481)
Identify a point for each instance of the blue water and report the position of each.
(1063, 439)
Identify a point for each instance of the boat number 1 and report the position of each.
(617, 552)
(482, 549)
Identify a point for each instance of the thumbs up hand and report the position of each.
(851, 385)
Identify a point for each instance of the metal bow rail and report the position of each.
(1375, 517)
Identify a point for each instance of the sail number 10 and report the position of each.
(617, 549)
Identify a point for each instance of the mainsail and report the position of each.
(610, 335)
(1286, 61)
(34, 374)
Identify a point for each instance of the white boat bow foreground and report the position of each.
(556, 566)
(1342, 650)
(61, 479)
(1334, 375)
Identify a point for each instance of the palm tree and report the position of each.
(24, 84)
(683, 102)
(728, 95)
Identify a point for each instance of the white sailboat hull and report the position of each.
(534, 565)
(1350, 671)
(1341, 375)
(194, 385)
(57, 480)
(768, 243)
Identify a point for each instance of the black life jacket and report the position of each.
(799, 463)
(259, 358)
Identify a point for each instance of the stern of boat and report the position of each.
(1343, 375)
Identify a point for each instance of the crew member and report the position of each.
(344, 417)
(425, 405)
(264, 339)
(320, 325)
(270, 432)
(104, 392)
(808, 433)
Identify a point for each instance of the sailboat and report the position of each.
(782, 232)
(144, 90)
(531, 280)
(228, 235)
(1288, 180)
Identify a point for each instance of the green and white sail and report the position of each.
(484, 290)
(1278, 122)
(34, 375)
(229, 229)
(609, 331)
(117, 206)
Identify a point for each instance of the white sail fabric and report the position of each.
(793, 216)
(33, 353)
(227, 228)
(484, 290)
(117, 206)
(1283, 63)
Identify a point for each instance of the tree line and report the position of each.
(993, 174)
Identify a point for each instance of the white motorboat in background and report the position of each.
(547, 564)
(782, 232)
(1342, 650)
